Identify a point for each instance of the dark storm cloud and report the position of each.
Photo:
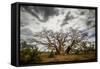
(91, 18)
(23, 23)
(67, 18)
(90, 13)
(44, 11)
(35, 18)
(92, 35)
(26, 32)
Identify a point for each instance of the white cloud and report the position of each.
(54, 22)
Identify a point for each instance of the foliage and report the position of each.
(29, 55)
(51, 54)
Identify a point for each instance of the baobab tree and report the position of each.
(62, 42)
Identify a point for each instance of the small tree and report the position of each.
(51, 54)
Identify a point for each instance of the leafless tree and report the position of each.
(60, 41)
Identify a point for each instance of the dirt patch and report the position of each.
(68, 57)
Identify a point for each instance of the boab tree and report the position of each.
(62, 42)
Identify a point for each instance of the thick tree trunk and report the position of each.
(69, 48)
(60, 51)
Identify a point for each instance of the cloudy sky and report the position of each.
(35, 18)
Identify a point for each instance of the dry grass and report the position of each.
(72, 57)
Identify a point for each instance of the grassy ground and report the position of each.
(71, 57)
(28, 57)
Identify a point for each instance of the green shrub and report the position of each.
(29, 55)
(51, 54)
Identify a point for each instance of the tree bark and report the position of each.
(69, 47)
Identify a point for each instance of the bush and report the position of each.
(28, 55)
(77, 52)
(51, 55)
